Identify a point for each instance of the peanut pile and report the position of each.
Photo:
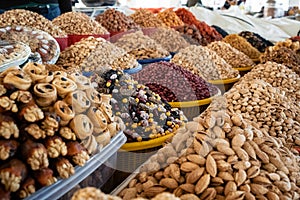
(242, 45)
(115, 21)
(141, 46)
(170, 18)
(232, 56)
(205, 63)
(27, 18)
(146, 18)
(77, 23)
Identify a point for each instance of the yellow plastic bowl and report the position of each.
(225, 84)
(244, 70)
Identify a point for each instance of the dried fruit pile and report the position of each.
(232, 56)
(207, 32)
(145, 19)
(256, 40)
(115, 21)
(49, 123)
(191, 34)
(30, 19)
(205, 63)
(170, 18)
(174, 83)
(145, 114)
(242, 45)
(77, 23)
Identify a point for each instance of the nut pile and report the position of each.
(282, 55)
(256, 40)
(12, 51)
(232, 56)
(210, 34)
(141, 46)
(77, 23)
(242, 45)
(145, 114)
(205, 63)
(49, 123)
(115, 21)
(145, 18)
(169, 39)
(219, 155)
(39, 41)
(174, 83)
(191, 34)
(290, 43)
(277, 75)
(31, 19)
(170, 18)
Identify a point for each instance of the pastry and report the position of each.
(6, 104)
(67, 133)
(58, 73)
(50, 124)
(8, 148)
(63, 167)
(64, 85)
(35, 131)
(94, 96)
(77, 153)
(107, 111)
(113, 128)
(83, 82)
(44, 177)
(55, 146)
(8, 127)
(45, 94)
(16, 78)
(78, 100)
(90, 144)
(27, 188)
(103, 139)
(37, 72)
(82, 126)
(30, 112)
(21, 96)
(98, 119)
(64, 111)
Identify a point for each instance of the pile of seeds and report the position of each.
(170, 18)
(205, 63)
(146, 18)
(242, 45)
(232, 56)
(77, 23)
(27, 18)
(115, 21)
(256, 40)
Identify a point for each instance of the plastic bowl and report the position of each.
(225, 84)
(76, 38)
(148, 61)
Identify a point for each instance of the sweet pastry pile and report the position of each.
(145, 114)
(12, 51)
(54, 121)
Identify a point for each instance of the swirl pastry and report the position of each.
(82, 126)
(45, 94)
(78, 100)
(58, 74)
(107, 111)
(64, 85)
(37, 72)
(103, 139)
(16, 78)
(98, 119)
(83, 82)
(106, 98)
(21, 96)
(94, 96)
(64, 111)
(90, 144)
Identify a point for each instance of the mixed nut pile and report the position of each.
(145, 19)
(191, 34)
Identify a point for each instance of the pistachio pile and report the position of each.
(115, 21)
(232, 56)
(242, 45)
(141, 46)
(170, 18)
(77, 23)
(205, 63)
(256, 40)
(145, 19)
(169, 39)
(31, 19)
(219, 155)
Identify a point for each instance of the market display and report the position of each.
(174, 83)
(146, 19)
(256, 40)
(31, 19)
(145, 114)
(191, 34)
(232, 56)
(220, 30)
(170, 18)
(54, 121)
(204, 63)
(207, 32)
(115, 21)
(141, 46)
(168, 38)
(242, 45)
(77, 23)
(39, 42)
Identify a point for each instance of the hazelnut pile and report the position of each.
(115, 21)
(141, 46)
(170, 18)
(205, 63)
(232, 56)
(242, 45)
(77, 23)
(145, 18)
(31, 19)
(191, 34)
(256, 40)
